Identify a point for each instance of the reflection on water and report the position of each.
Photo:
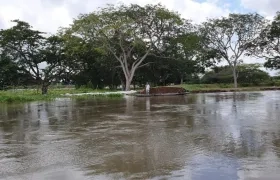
(202, 136)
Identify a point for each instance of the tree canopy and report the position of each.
(130, 33)
(229, 36)
(267, 45)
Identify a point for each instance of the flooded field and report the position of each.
(198, 136)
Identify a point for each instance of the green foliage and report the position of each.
(196, 87)
(89, 63)
(23, 96)
(270, 44)
(110, 96)
(267, 44)
(249, 74)
(11, 74)
(276, 77)
(90, 85)
(22, 44)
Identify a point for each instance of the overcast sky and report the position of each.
(49, 15)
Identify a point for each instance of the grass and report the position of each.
(219, 87)
(12, 96)
(84, 97)
(193, 87)
(23, 96)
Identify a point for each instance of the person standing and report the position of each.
(147, 88)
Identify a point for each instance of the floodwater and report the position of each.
(199, 136)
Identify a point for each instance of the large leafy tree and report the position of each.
(89, 65)
(129, 33)
(55, 62)
(179, 62)
(267, 45)
(42, 57)
(229, 36)
(11, 74)
(190, 56)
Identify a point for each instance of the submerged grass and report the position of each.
(88, 96)
(7, 96)
(12, 96)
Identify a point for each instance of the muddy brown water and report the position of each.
(198, 136)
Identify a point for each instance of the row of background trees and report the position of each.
(131, 45)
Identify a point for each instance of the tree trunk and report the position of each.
(122, 81)
(234, 76)
(123, 85)
(129, 78)
(182, 80)
(44, 89)
(38, 87)
(127, 84)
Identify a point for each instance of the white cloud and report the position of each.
(49, 15)
(200, 11)
(45, 17)
(265, 7)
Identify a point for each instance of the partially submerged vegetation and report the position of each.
(24, 96)
(90, 96)
(27, 95)
(33, 95)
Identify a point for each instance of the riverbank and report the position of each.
(27, 95)
(214, 88)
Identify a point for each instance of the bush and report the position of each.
(90, 85)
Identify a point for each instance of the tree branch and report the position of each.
(145, 64)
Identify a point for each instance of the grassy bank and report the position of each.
(24, 95)
(203, 88)
(33, 95)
